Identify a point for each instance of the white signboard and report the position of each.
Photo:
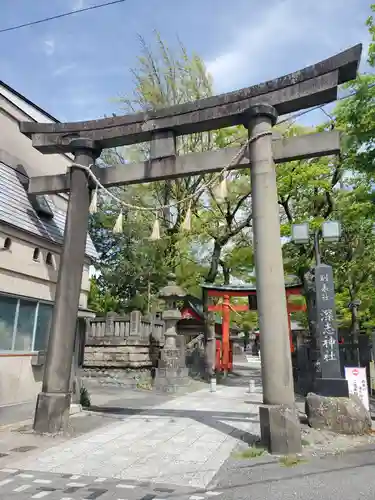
(372, 375)
(357, 382)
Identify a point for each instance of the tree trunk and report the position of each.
(226, 272)
(354, 326)
(215, 261)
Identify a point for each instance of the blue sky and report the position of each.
(75, 66)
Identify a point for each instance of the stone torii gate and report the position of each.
(257, 108)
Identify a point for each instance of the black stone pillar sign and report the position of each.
(329, 381)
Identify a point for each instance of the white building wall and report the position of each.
(20, 274)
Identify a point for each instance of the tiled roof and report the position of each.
(16, 209)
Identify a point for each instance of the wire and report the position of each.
(59, 16)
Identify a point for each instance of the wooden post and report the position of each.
(53, 404)
(209, 337)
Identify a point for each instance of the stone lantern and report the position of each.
(171, 372)
(172, 294)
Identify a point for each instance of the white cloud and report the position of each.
(285, 36)
(78, 4)
(49, 46)
(63, 69)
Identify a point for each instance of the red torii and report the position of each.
(247, 290)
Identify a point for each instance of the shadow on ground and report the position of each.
(241, 377)
(218, 420)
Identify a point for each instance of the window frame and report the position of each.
(37, 252)
(7, 245)
(50, 260)
(18, 298)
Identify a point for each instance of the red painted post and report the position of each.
(230, 356)
(218, 366)
(290, 333)
(225, 332)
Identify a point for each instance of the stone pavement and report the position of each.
(179, 448)
(24, 484)
(178, 445)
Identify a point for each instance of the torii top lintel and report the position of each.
(311, 86)
(245, 290)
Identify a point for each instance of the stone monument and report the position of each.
(329, 380)
(171, 372)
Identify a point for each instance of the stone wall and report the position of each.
(120, 377)
(115, 352)
(195, 356)
(133, 342)
(123, 342)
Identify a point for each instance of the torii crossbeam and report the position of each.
(256, 108)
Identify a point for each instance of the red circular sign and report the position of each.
(355, 372)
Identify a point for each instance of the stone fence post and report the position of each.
(110, 323)
(135, 323)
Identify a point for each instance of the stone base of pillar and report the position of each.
(75, 408)
(331, 387)
(170, 379)
(280, 429)
(52, 413)
(171, 373)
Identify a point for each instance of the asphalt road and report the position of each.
(349, 476)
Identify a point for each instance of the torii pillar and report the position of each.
(280, 429)
(53, 404)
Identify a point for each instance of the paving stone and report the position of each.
(22, 485)
(175, 438)
(179, 444)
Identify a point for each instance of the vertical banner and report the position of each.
(357, 383)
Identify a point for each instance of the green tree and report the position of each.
(128, 262)
(131, 269)
(306, 190)
(164, 78)
(341, 189)
(102, 303)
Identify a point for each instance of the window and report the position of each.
(24, 324)
(43, 326)
(49, 259)
(39, 202)
(36, 254)
(8, 312)
(23, 340)
(41, 205)
(7, 243)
